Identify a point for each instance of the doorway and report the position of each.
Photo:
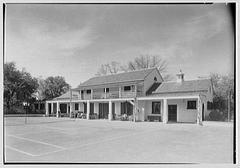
(63, 108)
(203, 112)
(103, 110)
(172, 113)
(126, 108)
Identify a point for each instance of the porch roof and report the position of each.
(66, 96)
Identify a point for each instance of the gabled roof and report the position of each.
(185, 86)
(120, 77)
(153, 88)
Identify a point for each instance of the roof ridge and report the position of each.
(199, 79)
(187, 80)
(121, 73)
(125, 72)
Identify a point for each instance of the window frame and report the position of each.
(153, 107)
(190, 105)
(127, 90)
(89, 91)
(76, 105)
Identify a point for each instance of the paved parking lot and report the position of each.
(101, 141)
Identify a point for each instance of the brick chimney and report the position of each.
(180, 77)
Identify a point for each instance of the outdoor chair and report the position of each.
(124, 117)
(130, 118)
(118, 117)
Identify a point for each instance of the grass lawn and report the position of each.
(46, 140)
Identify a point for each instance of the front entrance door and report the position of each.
(103, 110)
(203, 112)
(50, 108)
(63, 108)
(172, 113)
(91, 108)
(126, 108)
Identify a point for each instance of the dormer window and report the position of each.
(155, 79)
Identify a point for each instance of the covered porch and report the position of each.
(111, 109)
(187, 109)
(168, 109)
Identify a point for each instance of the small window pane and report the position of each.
(156, 108)
(127, 88)
(191, 105)
(209, 105)
(88, 91)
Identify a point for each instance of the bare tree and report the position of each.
(109, 68)
(141, 62)
(146, 61)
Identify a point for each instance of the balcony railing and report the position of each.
(108, 95)
(112, 93)
(128, 94)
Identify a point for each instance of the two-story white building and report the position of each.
(139, 96)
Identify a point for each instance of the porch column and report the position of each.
(67, 109)
(143, 114)
(51, 108)
(71, 109)
(135, 109)
(88, 110)
(46, 108)
(58, 109)
(110, 111)
(165, 111)
(199, 112)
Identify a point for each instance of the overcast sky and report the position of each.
(74, 40)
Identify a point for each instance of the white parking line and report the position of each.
(20, 151)
(35, 141)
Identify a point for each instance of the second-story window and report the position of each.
(88, 91)
(127, 88)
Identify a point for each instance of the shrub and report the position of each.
(215, 115)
